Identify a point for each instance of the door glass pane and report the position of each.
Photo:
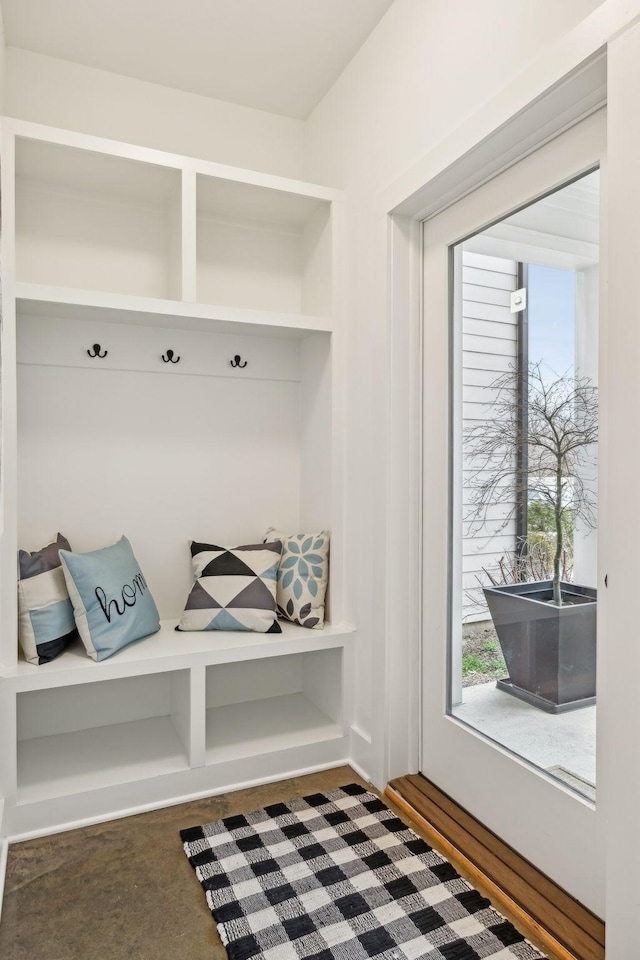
(524, 474)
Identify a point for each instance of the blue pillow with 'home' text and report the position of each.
(111, 601)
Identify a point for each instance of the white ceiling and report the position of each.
(560, 230)
(275, 55)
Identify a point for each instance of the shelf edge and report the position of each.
(135, 307)
(27, 677)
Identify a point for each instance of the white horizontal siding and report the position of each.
(497, 511)
(491, 329)
(476, 293)
(475, 563)
(478, 411)
(504, 485)
(483, 262)
(483, 306)
(489, 278)
(496, 363)
(494, 538)
(489, 345)
(482, 396)
(473, 377)
(493, 346)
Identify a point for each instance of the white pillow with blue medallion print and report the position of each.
(111, 600)
(45, 615)
(302, 576)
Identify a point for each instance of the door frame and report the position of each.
(614, 25)
(544, 821)
(574, 90)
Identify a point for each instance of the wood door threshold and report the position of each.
(542, 910)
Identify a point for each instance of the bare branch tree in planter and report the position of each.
(549, 644)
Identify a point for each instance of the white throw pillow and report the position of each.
(302, 576)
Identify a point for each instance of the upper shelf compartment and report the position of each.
(261, 248)
(93, 221)
(103, 224)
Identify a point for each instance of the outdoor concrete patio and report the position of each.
(566, 740)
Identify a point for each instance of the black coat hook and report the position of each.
(170, 358)
(96, 352)
(236, 361)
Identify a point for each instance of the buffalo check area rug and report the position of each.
(337, 876)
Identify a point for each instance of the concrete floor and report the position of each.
(545, 739)
(124, 890)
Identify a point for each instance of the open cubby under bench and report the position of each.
(174, 713)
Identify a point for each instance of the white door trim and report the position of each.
(561, 86)
(579, 94)
(399, 208)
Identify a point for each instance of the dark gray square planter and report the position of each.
(550, 651)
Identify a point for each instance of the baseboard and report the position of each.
(544, 912)
(359, 770)
(175, 801)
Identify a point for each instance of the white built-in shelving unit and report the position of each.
(143, 252)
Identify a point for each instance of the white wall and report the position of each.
(3, 57)
(426, 66)
(74, 97)
(422, 71)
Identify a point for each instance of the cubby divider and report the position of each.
(197, 715)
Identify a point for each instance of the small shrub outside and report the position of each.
(482, 661)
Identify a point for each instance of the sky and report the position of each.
(552, 311)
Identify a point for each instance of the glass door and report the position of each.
(523, 630)
(511, 321)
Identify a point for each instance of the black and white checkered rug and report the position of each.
(337, 876)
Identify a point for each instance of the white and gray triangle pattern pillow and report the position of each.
(234, 588)
(302, 576)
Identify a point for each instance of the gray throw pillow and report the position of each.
(46, 625)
